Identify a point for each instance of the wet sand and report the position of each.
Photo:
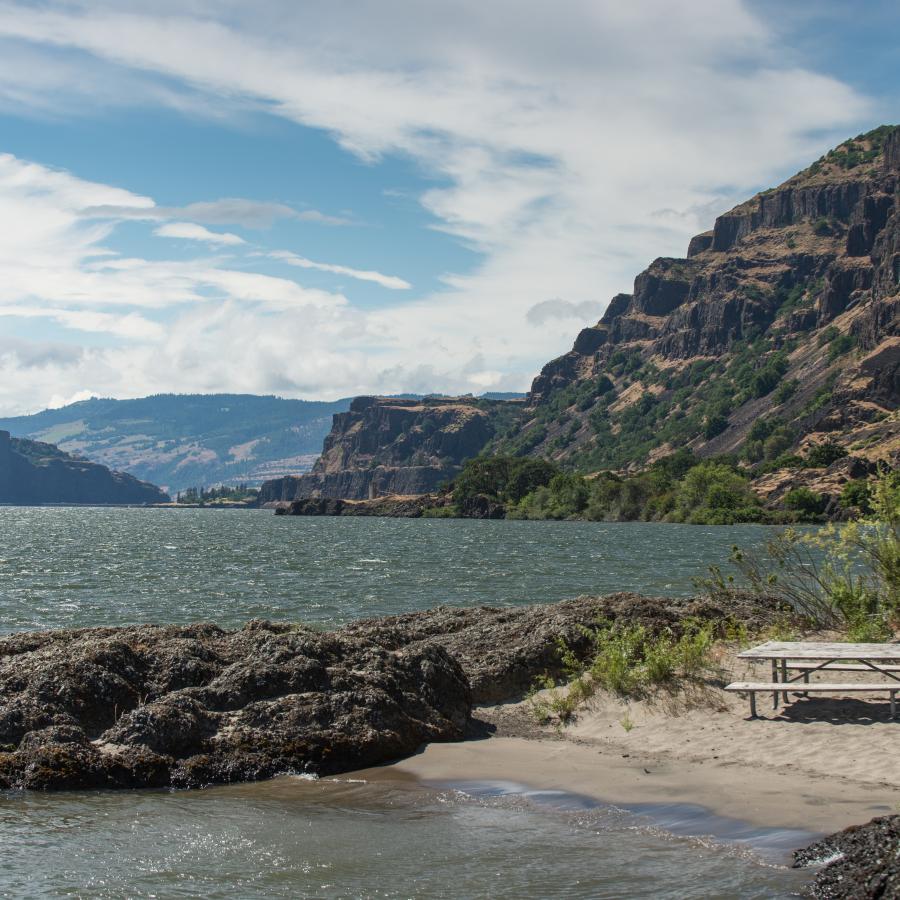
(818, 765)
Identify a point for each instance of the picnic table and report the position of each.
(807, 657)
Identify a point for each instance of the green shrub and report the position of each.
(785, 391)
(857, 494)
(846, 576)
(804, 501)
(715, 425)
(841, 345)
(710, 489)
(823, 455)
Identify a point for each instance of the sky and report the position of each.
(324, 199)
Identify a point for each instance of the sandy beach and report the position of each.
(818, 764)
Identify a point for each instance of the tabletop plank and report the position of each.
(820, 650)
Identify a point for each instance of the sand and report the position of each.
(819, 764)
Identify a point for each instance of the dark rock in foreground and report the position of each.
(191, 705)
(865, 862)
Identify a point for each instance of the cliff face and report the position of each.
(785, 314)
(387, 446)
(33, 473)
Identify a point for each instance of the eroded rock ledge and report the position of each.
(190, 705)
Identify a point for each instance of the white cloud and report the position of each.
(225, 211)
(556, 133)
(130, 325)
(547, 310)
(192, 232)
(388, 281)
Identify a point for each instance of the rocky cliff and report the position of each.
(390, 446)
(32, 472)
(779, 330)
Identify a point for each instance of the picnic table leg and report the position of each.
(753, 705)
(784, 678)
(806, 680)
(774, 679)
(893, 703)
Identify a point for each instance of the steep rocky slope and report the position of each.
(778, 331)
(32, 472)
(775, 341)
(391, 446)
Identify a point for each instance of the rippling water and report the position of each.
(66, 567)
(294, 838)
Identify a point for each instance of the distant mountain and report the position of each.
(185, 440)
(32, 472)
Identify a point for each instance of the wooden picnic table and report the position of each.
(806, 657)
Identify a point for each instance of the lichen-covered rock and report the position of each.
(861, 862)
(166, 705)
(503, 650)
(157, 705)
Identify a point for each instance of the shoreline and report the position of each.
(635, 771)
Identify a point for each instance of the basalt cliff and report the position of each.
(778, 331)
(32, 472)
(391, 446)
(776, 341)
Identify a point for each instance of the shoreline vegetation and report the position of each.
(678, 488)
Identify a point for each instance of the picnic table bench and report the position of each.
(807, 657)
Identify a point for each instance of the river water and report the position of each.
(71, 567)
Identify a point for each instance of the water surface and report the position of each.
(66, 567)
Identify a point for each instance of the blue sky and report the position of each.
(320, 199)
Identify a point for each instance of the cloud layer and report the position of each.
(571, 144)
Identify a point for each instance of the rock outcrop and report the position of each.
(32, 472)
(860, 862)
(191, 705)
(503, 650)
(788, 311)
(389, 446)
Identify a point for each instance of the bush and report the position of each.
(627, 660)
(857, 494)
(804, 501)
(709, 491)
(846, 576)
(785, 391)
(823, 455)
(841, 345)
(715, 425)
(776, 443)
(506, 479)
